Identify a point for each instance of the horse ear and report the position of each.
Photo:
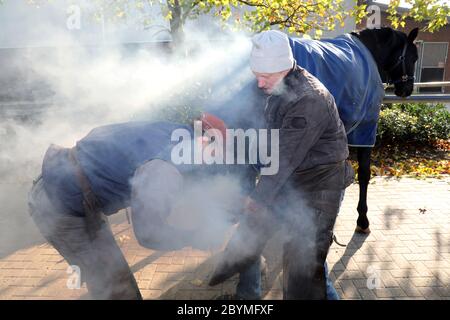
(413, 35)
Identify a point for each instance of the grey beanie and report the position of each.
(271, 52)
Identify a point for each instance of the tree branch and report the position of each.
(252, 4)
(289, 17)
(186, 13)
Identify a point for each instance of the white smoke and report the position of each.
(93, 86)
(83, 87)
(209, 207)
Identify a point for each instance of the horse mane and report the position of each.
(383, 33)
(381, 42)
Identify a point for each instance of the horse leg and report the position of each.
(362, 224)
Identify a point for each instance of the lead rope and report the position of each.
(337, 242)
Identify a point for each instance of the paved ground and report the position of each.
(407, 255)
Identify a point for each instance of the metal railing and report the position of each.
(13, 109)
(30, 108)
(431, 84)
(429, 98)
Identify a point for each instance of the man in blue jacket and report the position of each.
(112, 168)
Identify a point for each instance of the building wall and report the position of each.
(67, 22)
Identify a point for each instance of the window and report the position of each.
(432, 64)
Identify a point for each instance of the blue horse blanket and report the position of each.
(347, 69)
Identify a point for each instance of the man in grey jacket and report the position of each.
(304, 196)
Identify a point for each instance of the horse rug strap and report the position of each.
(94, 216)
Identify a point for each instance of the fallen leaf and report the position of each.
(197, 282)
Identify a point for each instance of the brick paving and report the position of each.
(407, 255)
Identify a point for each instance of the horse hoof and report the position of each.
(361, 230)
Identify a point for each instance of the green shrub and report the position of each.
(415, 122)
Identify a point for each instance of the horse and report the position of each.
(395, 55)
(351, 67)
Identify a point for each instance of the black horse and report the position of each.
(395, 55)
(376, 54)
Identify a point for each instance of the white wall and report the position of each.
(350, 24)
(55, 23)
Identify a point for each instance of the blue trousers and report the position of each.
(249, 285)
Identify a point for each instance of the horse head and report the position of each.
(401, 63)
(396, 54)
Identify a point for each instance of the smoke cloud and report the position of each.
(70, 88)
(80, 87)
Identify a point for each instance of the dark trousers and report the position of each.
(310, 220)
(103, 266)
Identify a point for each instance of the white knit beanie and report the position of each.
(271, 52)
